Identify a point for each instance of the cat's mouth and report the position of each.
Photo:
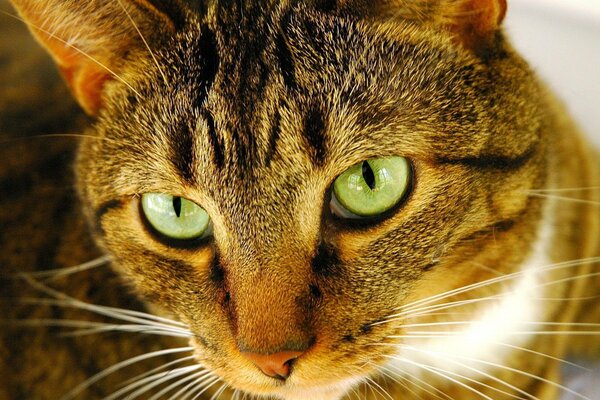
(309, 376)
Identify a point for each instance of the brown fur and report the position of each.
(433, 81)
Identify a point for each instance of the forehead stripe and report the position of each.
(285, 58)
(493, 161)
(314, 129)
(183, 152)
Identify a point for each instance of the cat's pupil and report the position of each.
(177, 206)
(368, 175)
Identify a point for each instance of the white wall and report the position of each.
(561, 40)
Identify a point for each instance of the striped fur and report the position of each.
(252, 109)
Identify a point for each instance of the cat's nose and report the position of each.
(275, 365)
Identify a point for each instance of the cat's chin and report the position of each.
(335, 392)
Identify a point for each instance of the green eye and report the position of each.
(175, 217)
(371, 187)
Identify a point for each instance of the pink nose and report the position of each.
(275, 365)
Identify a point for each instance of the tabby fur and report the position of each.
(252, 109)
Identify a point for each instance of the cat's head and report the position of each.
(286, 176)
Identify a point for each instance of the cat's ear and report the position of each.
(89, 39)
(473, 22)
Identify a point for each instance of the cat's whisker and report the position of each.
(369, 387)
(569, 279)
(516, 348)
(165, 377)
(146, 330)
(60, 272)
(425, 311)
(219, 392)
(70, 45)
(421, 385)
(462, 323)
(472, 369)
(524, 373)
(501, 279)
(198, 378)
(378, 388)
(90, 327)
(556, 190)
(447, 334)
(157, 369)
(488, 269)
(139, 32)
(123, 364)
(202, 388)
(117, 313)
(134, 384)
(411, 308)
(539, 353)
(178, 383)
(443, 374)
(564, 198)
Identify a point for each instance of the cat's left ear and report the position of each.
(90, 39)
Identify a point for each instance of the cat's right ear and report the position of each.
(472, 23)
(89, 39)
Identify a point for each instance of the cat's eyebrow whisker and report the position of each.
(123, 364)
(444, 374)
(60, 272)
(139, 32)
(83, 53)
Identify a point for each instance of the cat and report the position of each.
(298, 200)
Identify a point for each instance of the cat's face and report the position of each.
(252, 115)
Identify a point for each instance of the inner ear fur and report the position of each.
(89, 39)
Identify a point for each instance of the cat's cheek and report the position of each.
(155, 269)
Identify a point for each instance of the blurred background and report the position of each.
(561, 40)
